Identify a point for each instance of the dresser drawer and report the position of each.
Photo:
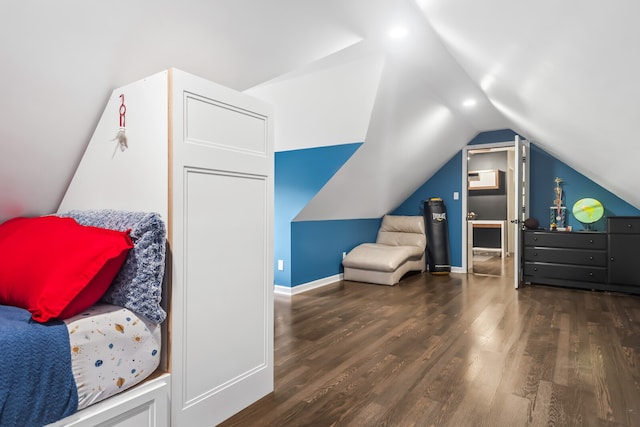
(565, 272)
(623, 224)
(566, 256)
(563, 239)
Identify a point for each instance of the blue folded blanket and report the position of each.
(36, 381)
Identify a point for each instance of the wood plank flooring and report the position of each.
(457, 350)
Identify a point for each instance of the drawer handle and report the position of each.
(591, 258)
(629, 226)
(535, 239)
(535, 268)
(590, 240)
(611, 259)
(590, 274)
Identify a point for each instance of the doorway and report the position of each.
(489, 201)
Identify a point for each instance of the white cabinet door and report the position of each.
(222, 239)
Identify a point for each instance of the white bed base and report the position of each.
(201, 155)
(144, 405)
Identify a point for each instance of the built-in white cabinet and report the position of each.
(201, 155)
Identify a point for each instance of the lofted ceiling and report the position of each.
(563, 74)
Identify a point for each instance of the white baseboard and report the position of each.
(285, 290)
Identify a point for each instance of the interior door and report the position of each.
(521, 201)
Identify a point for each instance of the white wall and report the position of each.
(562, 75)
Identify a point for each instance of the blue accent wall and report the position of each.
(447, 180)
(312, 250)
(545, 168)
(317, 246)
(299, 175)
(503, 135)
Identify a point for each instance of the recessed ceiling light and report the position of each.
(398, 32)
(469, 103)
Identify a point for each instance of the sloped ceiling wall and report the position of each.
(562, 74)
(565, 74)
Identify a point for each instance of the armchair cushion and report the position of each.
(399, 248)
(398, 230)
(374, 256)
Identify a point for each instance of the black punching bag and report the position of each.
(435, 220)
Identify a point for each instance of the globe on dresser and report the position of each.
(588, 211)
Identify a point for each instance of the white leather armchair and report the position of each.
(399, 248)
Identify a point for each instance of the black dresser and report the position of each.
(607, 261)
(624, 250)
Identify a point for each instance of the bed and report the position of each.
(65, 359)
(199, 155)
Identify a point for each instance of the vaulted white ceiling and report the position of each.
(563, 74)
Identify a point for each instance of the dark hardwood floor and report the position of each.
(492, 265)
(457, 350)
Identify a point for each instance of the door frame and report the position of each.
(465, 194)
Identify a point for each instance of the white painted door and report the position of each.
(521, 208)
(221, 240)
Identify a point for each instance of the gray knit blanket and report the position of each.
(138, 284)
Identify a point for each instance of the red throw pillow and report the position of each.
(55, 267)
